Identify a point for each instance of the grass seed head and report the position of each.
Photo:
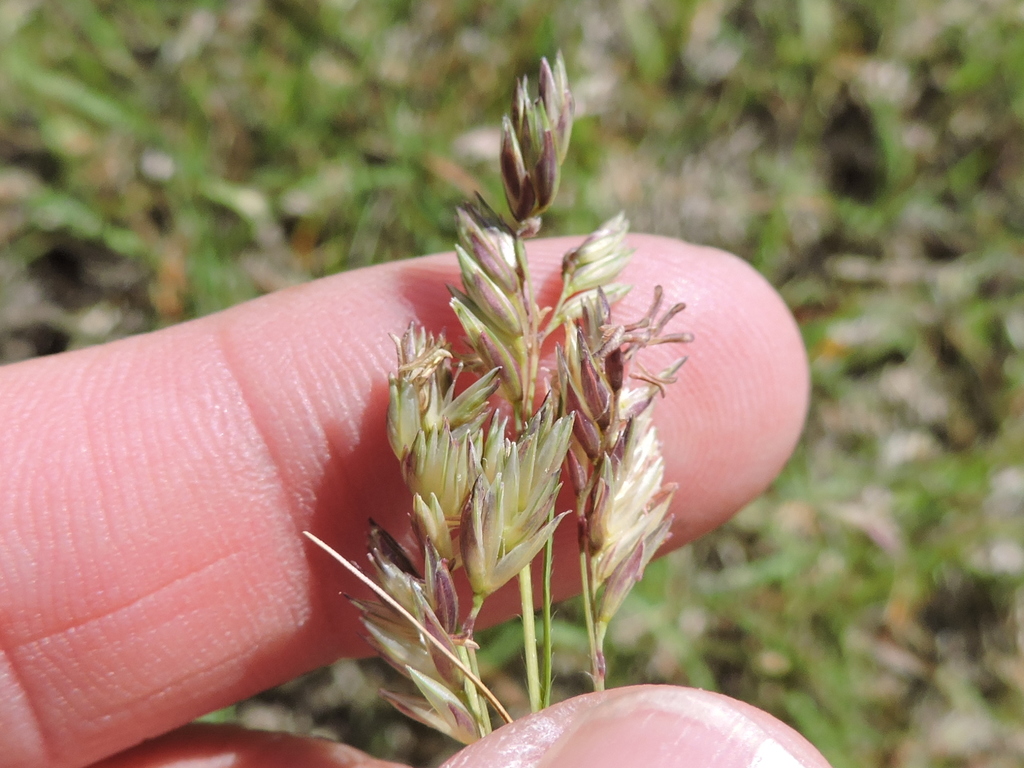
(485, 474)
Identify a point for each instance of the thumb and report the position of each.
(655, 726)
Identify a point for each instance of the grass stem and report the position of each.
(530, 639)
(588, 614)
(546, 651)
(468, 654)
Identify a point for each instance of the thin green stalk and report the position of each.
(476, 706)
(479, 710)
(553, 318)
(588, 615)
(545, 698)
(539, 685)
(545, 681)
(530, 639)
(532, 362)
(470, 623)
(602, 627)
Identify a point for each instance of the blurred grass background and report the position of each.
(159, 161)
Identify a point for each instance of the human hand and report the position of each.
(152, 492)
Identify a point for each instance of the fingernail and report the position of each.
(665, 727)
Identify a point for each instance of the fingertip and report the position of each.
(653, 726)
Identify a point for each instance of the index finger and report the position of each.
(152, 491)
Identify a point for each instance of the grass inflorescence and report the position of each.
(485, 461)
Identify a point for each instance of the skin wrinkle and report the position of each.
(96, 527)
(348, 410)
(138, 697)
(98, 451)
(327, 432)
(301, 412)
(135, 598)
(56, 492)
(223, 346)
(291, 425)
(267, 414)
(99, 444)
(34, 744)
(85, 625)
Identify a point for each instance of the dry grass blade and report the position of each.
(484, 690)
